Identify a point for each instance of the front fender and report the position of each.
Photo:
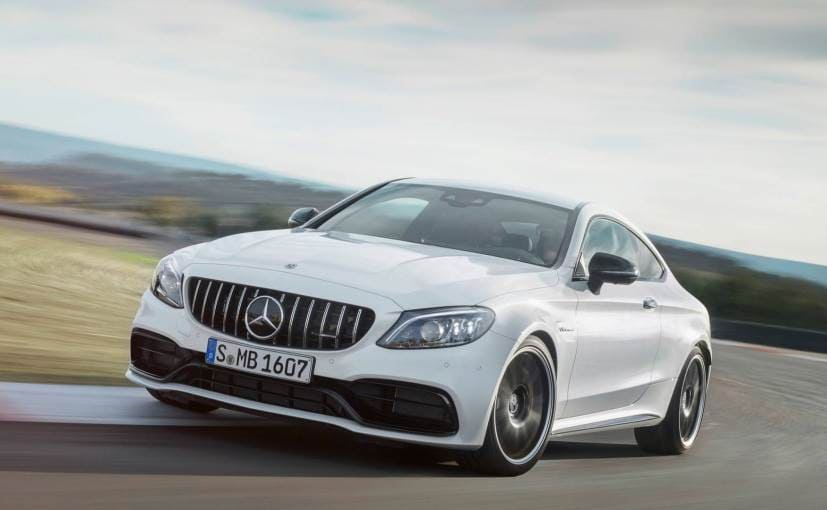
(549, 317)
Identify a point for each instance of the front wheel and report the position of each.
(522, 415)
(678, 430)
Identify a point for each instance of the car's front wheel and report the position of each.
(522, 415)
(679, 429)
(180, 401)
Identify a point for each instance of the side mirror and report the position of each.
(607, 268)
(301, 216)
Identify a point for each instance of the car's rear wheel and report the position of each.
(679, 429)
(181, 401)
(522, 415)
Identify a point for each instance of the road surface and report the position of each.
(763, 445)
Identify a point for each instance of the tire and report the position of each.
(180, 401)
(679, 429)
(521, 417)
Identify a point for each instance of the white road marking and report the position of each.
(104, 405)
(789, 353)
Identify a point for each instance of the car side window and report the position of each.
(647, 263)
(608, 236)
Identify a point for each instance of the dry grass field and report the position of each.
(66, 305)
(34, 193)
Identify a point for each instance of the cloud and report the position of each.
(797, 42)
(657, 111)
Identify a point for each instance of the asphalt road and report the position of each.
(763, 445)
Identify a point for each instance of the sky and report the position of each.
(699, 120)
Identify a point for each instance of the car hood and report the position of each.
(413, 275)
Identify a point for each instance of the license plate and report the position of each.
(255, 360)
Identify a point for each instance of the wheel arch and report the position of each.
(561, 344)
(546, 338)
(703, 345)
(540, 331)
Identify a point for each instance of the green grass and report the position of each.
(66, 308)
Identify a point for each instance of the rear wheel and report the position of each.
(522, 415)
(679, 429)
(180, 401)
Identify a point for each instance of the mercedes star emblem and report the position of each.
(263, 317)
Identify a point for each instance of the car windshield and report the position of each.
(462, 219)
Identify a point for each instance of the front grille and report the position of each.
(309, 323)
(372, 402)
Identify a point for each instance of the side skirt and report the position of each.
(621, 422)
(647, 411)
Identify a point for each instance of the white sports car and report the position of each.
(485, 321)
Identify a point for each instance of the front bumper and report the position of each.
(465, 377)
(375, 403)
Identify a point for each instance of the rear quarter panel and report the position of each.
(684, 324)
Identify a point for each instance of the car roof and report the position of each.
(538, 196)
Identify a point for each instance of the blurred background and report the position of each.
(129, 130)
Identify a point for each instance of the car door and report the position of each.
(618, 329)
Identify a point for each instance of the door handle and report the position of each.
(649, 303)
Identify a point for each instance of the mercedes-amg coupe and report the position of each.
(484, 321)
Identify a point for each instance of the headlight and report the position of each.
(166, 283)
(444, 327)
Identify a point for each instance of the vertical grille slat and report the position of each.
(215, 304)
(306, 325)
(255, 295)
(324, 321)
(355, 335)
(204, 301)
(309, 322)
(339, 326)
(292, 317)
(238, 311)
(226, 308)
(195, 295)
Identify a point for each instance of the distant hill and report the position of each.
(28, 146)
(195, 195)
(701, 256)
(742, 288)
